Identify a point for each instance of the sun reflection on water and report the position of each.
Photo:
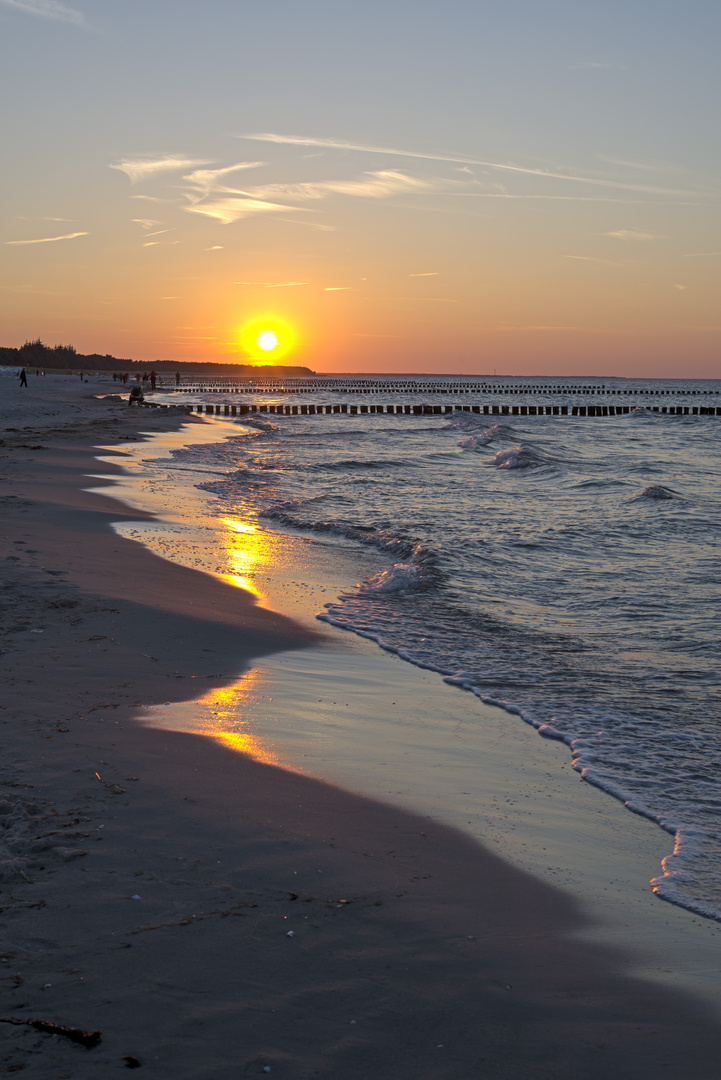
(246, 549)
(221, 716)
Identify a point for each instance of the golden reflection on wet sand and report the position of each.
(220, 716)
(247, 550)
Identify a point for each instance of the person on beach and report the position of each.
(23, 378)
(153, 379)
(137, 396)
(177, 378)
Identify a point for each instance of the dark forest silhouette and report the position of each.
(35, 354)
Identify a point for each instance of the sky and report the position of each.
(408, 185)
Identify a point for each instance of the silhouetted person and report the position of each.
(23, 378)
(177, 378)
(137, 397)
(153, 377)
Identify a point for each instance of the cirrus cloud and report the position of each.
(230, 210)
(48, 9)
(633, 234)
(340, 144)
(48, 239)
(141, 168)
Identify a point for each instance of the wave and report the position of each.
(599, 483)
(399, 578)
(257, 424)
(657, 491)
(417, 568)
(522, 457)
(355, 465)
(472, 442)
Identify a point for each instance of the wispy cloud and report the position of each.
(272, 284)
(203, 181)
(589, 65)
(373, 185)
(234, 205)
(337, 288)
(337, 144)
(509, 327)
(542, 326)
(633, 234)
(551, 198)
(48, 239)
(411, 299)
(307, 223)
(146, 223)
(140, 168)
(48, 9)
(592, 258)
(700, 254)
(230, 210)
(151, 198)
(646, 166)
(30, 290)
(428, 273)
(681, 288)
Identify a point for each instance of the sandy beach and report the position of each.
(215, 915)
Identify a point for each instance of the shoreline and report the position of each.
(422, 953)
(402, 735)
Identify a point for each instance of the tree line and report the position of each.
(36, 354)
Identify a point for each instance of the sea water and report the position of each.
(565, 569)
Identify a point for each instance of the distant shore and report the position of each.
(215, 915)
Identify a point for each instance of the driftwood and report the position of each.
(77, 1035)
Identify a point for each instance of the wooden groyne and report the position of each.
(249, 387)
(229, 409)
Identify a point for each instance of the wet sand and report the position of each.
(216, 915)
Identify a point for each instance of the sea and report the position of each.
(562, 568)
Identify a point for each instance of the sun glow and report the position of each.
(266, 339)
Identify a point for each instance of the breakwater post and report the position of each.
(363, 409)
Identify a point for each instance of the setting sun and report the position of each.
(267, 340)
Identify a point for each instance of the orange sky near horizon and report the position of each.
(544, 203)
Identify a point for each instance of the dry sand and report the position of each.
(215, 916)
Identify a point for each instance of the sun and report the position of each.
(266, 339)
